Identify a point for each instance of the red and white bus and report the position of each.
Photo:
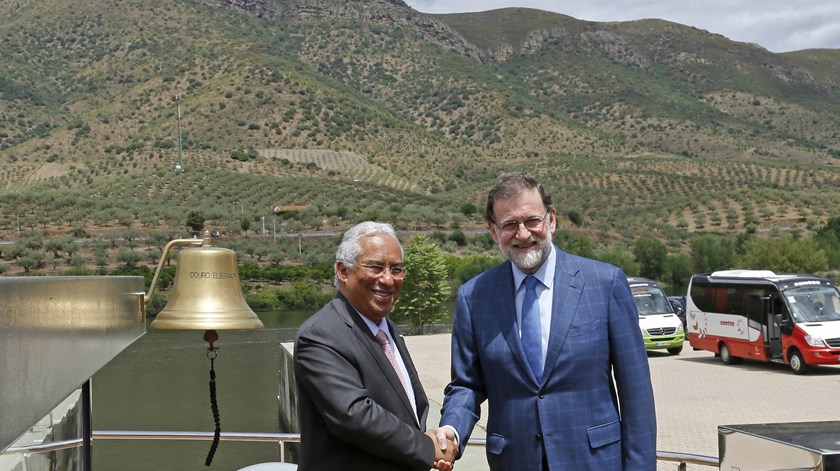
(761, 315)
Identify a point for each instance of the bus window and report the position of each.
(703, 296)
(734, 301)
(779, 306)
(755, 312)
(754, 306)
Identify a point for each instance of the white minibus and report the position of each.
(761, 315)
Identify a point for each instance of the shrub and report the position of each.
(263, 300)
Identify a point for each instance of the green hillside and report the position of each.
(360, 109)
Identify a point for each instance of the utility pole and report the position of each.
(180, 165)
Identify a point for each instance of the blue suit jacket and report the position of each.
(584, 421)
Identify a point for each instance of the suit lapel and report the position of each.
(420, 398)
(366, 339)
(568, 287)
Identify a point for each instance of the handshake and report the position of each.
(445, 448)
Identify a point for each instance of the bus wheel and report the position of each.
(726, 356)
(675, 350)
(797, 363)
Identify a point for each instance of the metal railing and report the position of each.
(682, 459)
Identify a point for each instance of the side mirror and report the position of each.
(781, 321)
(676, 306)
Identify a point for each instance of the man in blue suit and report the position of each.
(563, 368)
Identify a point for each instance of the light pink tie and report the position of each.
(386, 346)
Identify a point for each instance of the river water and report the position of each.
(160, 383)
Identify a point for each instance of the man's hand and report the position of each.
(445, 435)
(444, 456)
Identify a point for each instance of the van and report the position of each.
(660, 326)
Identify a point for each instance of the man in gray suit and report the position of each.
(360, 402)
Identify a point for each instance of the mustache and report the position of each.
(520, 243)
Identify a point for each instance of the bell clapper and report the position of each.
(211, 336)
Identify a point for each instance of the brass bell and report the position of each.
(206, 294)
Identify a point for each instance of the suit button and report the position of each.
(538, 437)
(542, 396)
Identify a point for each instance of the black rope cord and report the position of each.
(214, 406)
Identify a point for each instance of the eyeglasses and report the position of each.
(397, 273)
(533, 223)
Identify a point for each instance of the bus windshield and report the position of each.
(814, 303)
(650, 300)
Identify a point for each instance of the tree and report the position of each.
(677, 270)
(53, 261)
(100, 255)
(16, 251)
(468, 209)
(575, 217)
(463, 269)
(27, 263)
(711, 253)
(130, 236)
(125, 218)
(650, 253)
(154, 255)
(458, 237)
(129, 257)
(341, 212)
(574, 244)
(70, 247)
(245, 225)
(76, 261)
(158, 239)
(426, 287)
(195, 222)
(828, 238)
(620, 258)
(54, 246)
(784, 255)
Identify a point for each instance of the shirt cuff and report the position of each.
(454, 432)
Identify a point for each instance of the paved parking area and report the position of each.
(694, 394)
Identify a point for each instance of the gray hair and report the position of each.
(349, 249)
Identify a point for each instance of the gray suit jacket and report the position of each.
(354, 413)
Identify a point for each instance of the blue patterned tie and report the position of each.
(531, 330)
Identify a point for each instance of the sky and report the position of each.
(776, 25)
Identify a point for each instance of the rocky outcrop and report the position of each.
(386, 13)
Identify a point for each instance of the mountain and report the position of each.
(374, 107)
